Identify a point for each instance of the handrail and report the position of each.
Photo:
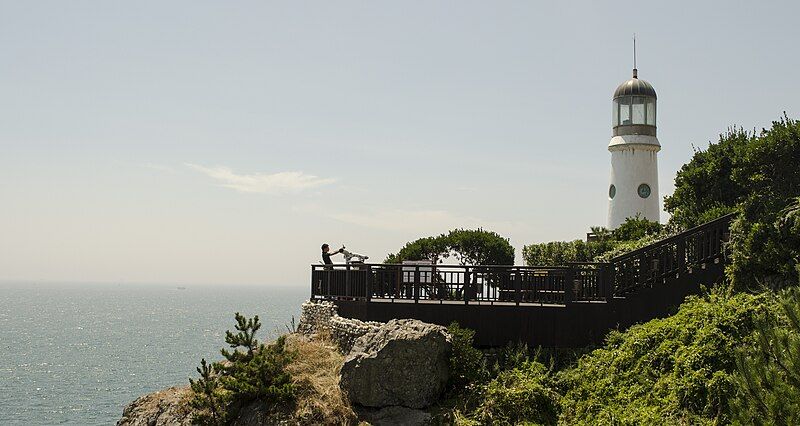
(672, 238)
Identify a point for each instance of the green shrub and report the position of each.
(209, 400)
(467, 363)
(634, 233)
(252, 371)
(522, 395)
(678, 369)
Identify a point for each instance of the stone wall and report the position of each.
(322, 317)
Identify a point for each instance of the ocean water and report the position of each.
(78, 353)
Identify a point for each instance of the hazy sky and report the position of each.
(223, 142)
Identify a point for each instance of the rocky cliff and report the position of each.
(390, 373)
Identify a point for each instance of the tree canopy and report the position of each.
(469, 246)
(756, 175)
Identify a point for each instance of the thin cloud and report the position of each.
(276, 183)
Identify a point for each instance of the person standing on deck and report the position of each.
(326, 254)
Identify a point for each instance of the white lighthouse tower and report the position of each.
(634, 153)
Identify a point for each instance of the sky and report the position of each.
(199, 142)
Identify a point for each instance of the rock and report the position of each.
(394, 416)
(404, 362)
(320, 317)
(166, 407)
(259, 413)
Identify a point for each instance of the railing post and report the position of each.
(607, 277)
(467, 285)
(517, 285)
(569, 279)
(416, 284)
(369, 283)
(347, 281)
(327, 273)
(680, 252)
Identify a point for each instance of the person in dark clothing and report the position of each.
(326, 254)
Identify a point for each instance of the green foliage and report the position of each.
(427, 248)
(261, 376)
(622, 247)
(674, 370)
(252, 371)
(245, 338)
(770, 372)
(209, 401)
(559, 253)
(467, 364)
(757, 176)
(636, 228)
(473, 247)
(526, 394)
(635, 232)
(707, 183)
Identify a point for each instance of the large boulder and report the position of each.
(404, 362)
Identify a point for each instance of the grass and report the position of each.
(315, 376)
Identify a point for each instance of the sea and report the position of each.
(78, 353)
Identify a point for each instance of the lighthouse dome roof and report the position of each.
(635, 87)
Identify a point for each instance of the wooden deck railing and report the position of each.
(672, 258)
(659, 263)
(458, 283)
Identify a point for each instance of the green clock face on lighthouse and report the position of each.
(644, 190)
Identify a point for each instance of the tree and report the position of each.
(755, 175)
(208, 400)
(433, 249)
(473, 247)
(253, 371)
(706, 187)
(479, 247)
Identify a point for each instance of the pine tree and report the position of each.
(208, 401)
(245, 338)
(770, 377)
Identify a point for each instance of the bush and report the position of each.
(467, 363)
(253, 371)
(674, 370)
(635, 232)
(524, 394)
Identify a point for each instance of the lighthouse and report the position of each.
(634, 147)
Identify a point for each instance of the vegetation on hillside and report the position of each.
(724, 357)
(634, 233)
(293, 375)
